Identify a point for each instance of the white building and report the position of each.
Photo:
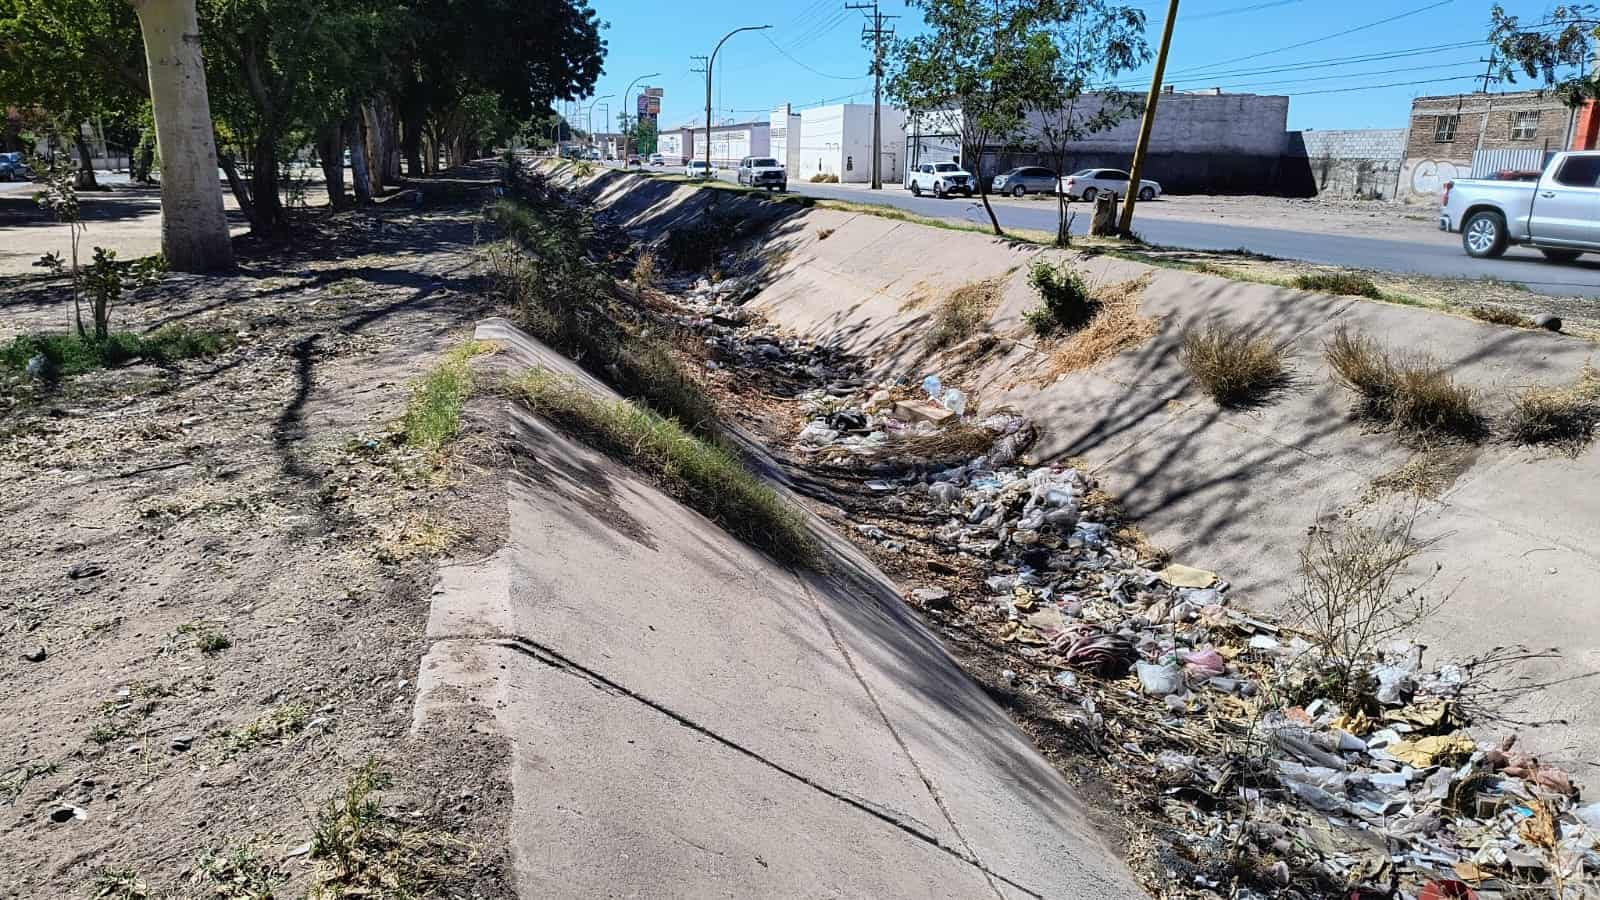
(675, 145)
(733, 142)
(785, 138)
(837, 140)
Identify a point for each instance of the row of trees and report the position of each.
(1033, 75)
(389, 84)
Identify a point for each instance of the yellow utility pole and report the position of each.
(1125, 226)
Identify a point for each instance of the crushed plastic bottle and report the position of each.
(932, 386)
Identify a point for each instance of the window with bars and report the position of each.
(1525, 125)
(1444, 128)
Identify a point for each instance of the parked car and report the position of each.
(697, 168)
(12, 168)
(1555, 214)
(1090, 183)
(633, 160)
(1025, 180)
(942, 179)
(657, 159)
(763, 171)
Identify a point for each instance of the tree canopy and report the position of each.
(1554, 52)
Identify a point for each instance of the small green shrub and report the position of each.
(1346, 283)
(1068, 302)
(1234, 364)
(1412, 393)
(705, 476)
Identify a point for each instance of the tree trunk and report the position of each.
(330, 147)
(86, 180)
(390, 129)
(194, 229)
(1063, 220)
(372, 136)
(241, 191)
(356, 135)
(264, 186)
(983, 193)
(411, 145)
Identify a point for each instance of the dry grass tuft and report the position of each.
(1412, 393)
(1235, 364)
(963, 313)
(1116, 327)
(1500, 316)
(824, 233)
(1428, 473)
(1345, 283)
(1562, 417)
(418, 535)
(953, 442)
(647, 269)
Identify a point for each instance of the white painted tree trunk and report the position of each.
(194, 231)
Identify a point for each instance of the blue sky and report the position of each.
(814, 53)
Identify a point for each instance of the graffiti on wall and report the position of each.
(1426, 177)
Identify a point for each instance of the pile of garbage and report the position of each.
(1265, 786)
(1259, 784)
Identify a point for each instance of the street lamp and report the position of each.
(625, 140)
(588, 117)
(711, 61)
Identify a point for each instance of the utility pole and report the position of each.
(1488, 74)
(710, 61)
(1125, 226)
(877, 32)
(605, 116)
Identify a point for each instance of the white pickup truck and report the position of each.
(1559, 214)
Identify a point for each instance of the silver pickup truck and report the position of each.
(1559, 213)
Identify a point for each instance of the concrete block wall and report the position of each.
(1362, 164)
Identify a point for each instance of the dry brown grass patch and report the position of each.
(1428, 473)
(963, 313)
(647, 269)
(1500, 316)
(949, 443)
(1411, 392)
(1116, 327)
(1235, 364)
(1562, 417)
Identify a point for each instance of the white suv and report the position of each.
(763, 171)
(697, 168)
(942, 180)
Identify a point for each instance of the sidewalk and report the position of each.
(689, 719)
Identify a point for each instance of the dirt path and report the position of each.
(218, 575)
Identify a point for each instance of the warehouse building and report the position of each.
(837, 140)
(729, 143)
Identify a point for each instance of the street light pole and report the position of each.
(711, 61)
(626, 141)
(588, 117)
(1125, 226)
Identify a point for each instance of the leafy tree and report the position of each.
(1555, 51)
(974, 69)
(77, 60)
(1094, 41)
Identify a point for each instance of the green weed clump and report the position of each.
(433, 415)
(360, 850)
(1346, 283)
(705, 476)
(1068, 302)
(1413, 393)
(69, 354)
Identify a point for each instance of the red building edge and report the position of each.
(1586, 130)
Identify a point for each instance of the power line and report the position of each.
(808, 68)
(1268, 84)
(1373, 87)
(1254, 7)
(1375, 56)
(1327, 37)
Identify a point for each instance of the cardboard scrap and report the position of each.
(1431, 751)
(1187, 577)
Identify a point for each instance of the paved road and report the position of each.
(1428, 253)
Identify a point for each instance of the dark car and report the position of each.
(1025, 180)
(12, 168)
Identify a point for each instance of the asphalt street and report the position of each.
(1429, 253)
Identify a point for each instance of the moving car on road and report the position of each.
(1025, 180)
(763, 171)
(942, 179)
(12, 168)
(1088, 184)
(697, 168)
(1556, 214)
(657, 159)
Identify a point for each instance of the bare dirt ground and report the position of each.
(218, 576)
